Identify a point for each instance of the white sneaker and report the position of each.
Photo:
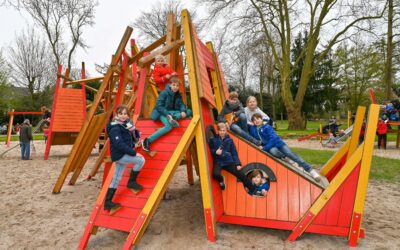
(315, 175)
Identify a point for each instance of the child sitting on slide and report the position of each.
(260, 183)
(233, 113)
(274, 145)
(169, 108)
(162, 73)
(252, 108)
(225, 157)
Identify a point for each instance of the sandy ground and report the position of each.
(33, 218)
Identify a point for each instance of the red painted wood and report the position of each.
(331, 174)
(230, 183)
(301, 226)
(261, 203)
(241, 193)
(355, 230)
(136, 227)
(293, 197)
(272, 198)
(209, 225)
(284, 225)
(349, 195)
(333, 208)
(282, 193)
(114, 222)
(304, 196)
(140, 90)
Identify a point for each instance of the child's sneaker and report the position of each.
(315, 175)
(146, 145)
(222, 185)
(173, 122)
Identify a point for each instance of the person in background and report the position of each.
(25, 138)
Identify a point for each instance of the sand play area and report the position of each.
(33, 218)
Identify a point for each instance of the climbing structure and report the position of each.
(68, 113)
(295, 201)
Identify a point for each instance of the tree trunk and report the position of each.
(295, 119)
(389, 54)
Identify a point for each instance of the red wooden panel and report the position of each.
(282, 192)
(131, 201)
(230, 183)
(261, 203)
(240, 200)
(293, 196)
(350, 187)
(272, 199)
(304, 196)
(114, 222)
(150, 123)
(333, 207)
(150, 130)
(250, 206)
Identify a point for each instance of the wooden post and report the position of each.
(10, 123)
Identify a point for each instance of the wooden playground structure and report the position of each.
(295, 201)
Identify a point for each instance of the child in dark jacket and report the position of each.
(273, 144)
(382, 131)
(225, 157)
(122, 152)
(234, 114)
(259, 182)
(169, 108)
(162, 73)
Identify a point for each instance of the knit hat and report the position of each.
(26, 121)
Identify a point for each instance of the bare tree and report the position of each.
(63, 23)
(152, 24)
(31, 64)
(327, 22)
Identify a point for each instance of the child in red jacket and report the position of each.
(382, 131)
(162, 72)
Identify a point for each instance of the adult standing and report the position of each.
(25, 137)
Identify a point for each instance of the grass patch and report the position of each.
(16, 137)
(384, 169)
(312, 127)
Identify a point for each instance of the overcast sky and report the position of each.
(111, 19)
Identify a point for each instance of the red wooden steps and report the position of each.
(131, 204)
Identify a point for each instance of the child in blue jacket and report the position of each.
(169, 108)
(259, 182)
(273, 144)
(122, 152)
(225, 157)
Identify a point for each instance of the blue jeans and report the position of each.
(240, 128)
(138, 160)
(167, 126)
(285, 151)
(25, 150)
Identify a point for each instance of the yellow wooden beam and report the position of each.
(365, 168)
(335, 158)
(355, 134)
(194, 81)
(149, 48)
(146, 61)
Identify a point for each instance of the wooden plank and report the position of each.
(272, 198)
(304, 196)
(293, 197)
(146, 61)
(282, 195)
(261, 203)
(149, 48)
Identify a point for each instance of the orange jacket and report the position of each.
(159, 75)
